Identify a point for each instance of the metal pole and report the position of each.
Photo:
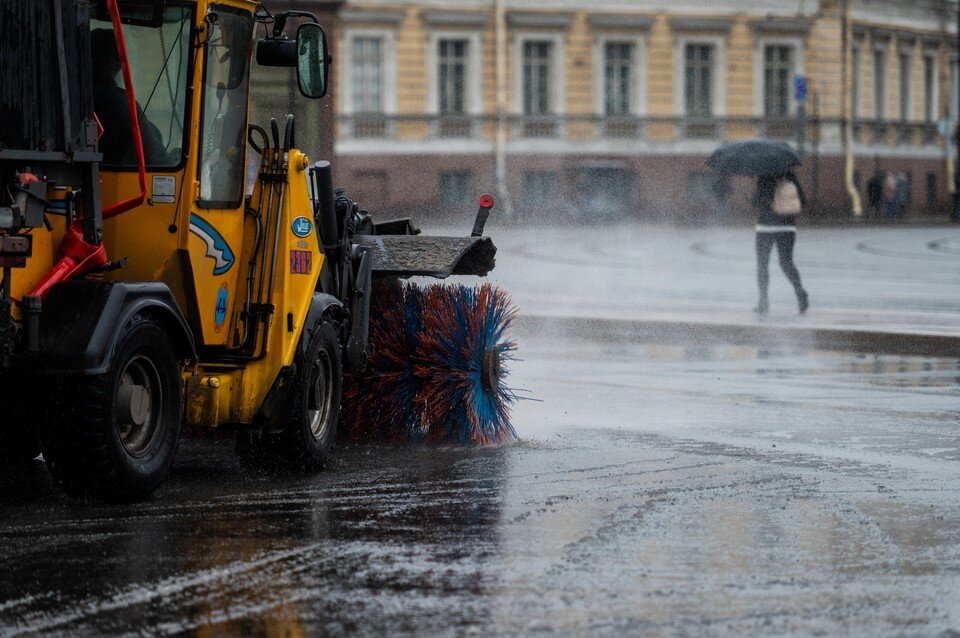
(956, 138)
(501, 141)
(847, 119)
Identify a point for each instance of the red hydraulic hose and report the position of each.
(133, 202)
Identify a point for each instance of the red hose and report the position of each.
(133, 202)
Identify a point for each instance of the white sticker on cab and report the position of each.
(164, 189)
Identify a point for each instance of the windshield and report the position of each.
(159, 59)
(224, 123)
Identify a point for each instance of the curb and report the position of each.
(672, 332)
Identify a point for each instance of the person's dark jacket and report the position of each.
(875, 190)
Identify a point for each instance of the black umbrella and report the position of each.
(753, 158)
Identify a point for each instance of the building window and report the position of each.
(367, 80)
(880, 85)
(618, 76)
(698, 62)
(905, 79)
(607, 193)
(539, 189)
(537, 60)
(932, 189)
(777, 71)
(451, 76)
(855, 84)
(456, 189)
(929, 89)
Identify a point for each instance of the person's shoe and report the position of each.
(762, 308)
(803, 301)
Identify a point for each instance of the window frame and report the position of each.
(188, 101)
(718, 77)
(469, 180)
(760, 66)
(224, 204)
(473, 80)
(556, 99)
(906, 98)
(638, 88)
(388, 67)
(856, 77)
(881, 114)
(930, 106)
(536, 175)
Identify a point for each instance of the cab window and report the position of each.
(159, 65)
(224, 118)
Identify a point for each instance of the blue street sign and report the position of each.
(800, 88)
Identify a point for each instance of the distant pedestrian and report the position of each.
(778, 201)
(889, 195)
(875, 193)
(902, 194)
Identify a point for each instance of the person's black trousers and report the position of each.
(784, 242)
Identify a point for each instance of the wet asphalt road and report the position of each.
(658, 490)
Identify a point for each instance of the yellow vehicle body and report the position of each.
(179, 241)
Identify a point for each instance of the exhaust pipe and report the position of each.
(325, 212)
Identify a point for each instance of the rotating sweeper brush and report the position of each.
(437, 368)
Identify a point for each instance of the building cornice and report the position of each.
(456, 18)
(799, 26)
(542, 20)
(620, 20)
(379, 16)
(701, 24)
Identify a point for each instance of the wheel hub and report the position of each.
(490, 370)
(134, 401)
(136, 405)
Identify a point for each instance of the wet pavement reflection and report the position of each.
(705, 490)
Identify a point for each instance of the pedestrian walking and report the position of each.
(902, 194)
(889, 195)
(778, 201)
(875, 193)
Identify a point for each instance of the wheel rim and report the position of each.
(320, 391)
(137, 405)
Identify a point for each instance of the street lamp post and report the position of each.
(956, 138)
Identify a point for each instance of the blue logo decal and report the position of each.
(217, 247)
(220, 314)
(302, 226)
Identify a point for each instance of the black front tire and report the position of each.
(115, 435)
(303, 437)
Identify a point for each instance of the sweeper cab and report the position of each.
(168, 265)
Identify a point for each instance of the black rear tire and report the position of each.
(114, 435)
(23, 405)
(304, 435)
(18, 444)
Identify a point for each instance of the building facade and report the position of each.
(608, 109)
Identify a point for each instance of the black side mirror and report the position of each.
(312, 60)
